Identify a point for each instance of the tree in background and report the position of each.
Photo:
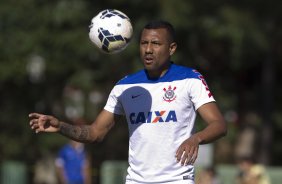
(45, 49)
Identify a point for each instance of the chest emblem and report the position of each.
(169, 95)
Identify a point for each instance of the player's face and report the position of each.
(155, 51)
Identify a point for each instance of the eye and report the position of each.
(143, 42)
(156, 42)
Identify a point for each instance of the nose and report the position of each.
(148, 48)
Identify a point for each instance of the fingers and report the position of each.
(194, 157)
(187, 155)
(34, 115)
(36, 125)
(37, 122)
(43, 123)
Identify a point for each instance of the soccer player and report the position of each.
(160, 104)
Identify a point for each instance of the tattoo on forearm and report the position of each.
(84, 134)
(79, 133)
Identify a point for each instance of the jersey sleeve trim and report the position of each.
(199, 104)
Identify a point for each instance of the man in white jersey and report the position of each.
(160, 104)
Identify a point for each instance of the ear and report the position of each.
(172, 48)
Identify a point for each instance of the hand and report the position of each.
(43, 123)
(187, 152)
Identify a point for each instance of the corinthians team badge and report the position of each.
(169, 95)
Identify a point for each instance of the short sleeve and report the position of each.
(113, 104)
(199, 92)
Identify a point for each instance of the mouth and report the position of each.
(148, 59)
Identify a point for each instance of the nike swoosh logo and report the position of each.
(135, 96)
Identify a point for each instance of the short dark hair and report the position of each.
(156, 24)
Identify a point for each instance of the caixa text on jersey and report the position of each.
(153, 117)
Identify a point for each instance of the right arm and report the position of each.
(82, 133)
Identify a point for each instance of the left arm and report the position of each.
(216, 128)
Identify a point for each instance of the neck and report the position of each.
(155, 74)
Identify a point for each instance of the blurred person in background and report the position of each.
(73, 164)
(45, 170)
(208, 176)
(160, 103)
(251, 172)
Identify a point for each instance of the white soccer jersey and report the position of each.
(160, 115)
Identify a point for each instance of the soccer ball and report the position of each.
(111, 31)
